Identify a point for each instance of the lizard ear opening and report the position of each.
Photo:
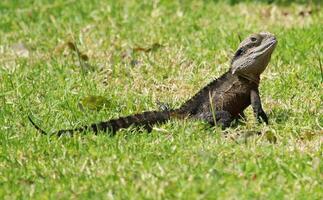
(238, 53)
(236, 56)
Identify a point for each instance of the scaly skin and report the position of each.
(218, 103)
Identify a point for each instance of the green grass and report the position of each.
(180, 159)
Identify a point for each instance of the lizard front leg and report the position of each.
(257, 107)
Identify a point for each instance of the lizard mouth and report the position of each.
(266, 48)
(272, 42)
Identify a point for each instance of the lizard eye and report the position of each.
(253, 39)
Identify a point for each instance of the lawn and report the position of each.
(55, 56)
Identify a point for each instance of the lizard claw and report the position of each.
(262, 117)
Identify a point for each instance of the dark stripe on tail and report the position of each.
(145, 119)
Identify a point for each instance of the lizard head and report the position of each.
(253, 55)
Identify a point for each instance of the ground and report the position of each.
(68, 63)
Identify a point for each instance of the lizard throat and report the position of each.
(254, 79)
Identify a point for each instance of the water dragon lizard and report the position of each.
(219, 103)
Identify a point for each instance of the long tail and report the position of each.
(145, 119)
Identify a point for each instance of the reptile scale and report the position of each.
(218, 103)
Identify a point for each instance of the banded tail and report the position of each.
(145, 119)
